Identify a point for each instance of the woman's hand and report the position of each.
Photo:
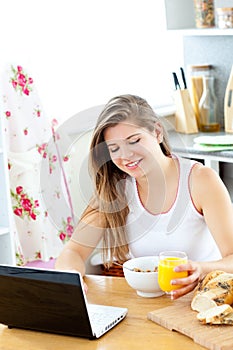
(85, 287)
(187, 283)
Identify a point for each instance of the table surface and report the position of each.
(133, 332)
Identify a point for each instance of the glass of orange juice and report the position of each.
(167, 262)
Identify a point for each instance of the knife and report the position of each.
(183, 77)
(176, 81)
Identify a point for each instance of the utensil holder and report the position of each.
(185, 119)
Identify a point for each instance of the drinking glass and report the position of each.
(168, 260)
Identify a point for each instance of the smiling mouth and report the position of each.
(133, 164)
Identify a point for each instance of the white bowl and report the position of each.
(145, 283)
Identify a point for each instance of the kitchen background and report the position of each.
(213, 46)
(81, 53)
(216, 50)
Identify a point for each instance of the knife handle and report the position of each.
(176, 81)
(183, 77)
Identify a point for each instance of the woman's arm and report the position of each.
(71, 259)
(212, 199)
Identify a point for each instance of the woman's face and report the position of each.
(133, 149)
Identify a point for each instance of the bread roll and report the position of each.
(215, 289)
(201, 285)
(205, 300)
(224, 280)
(227, 319)
(215, 315)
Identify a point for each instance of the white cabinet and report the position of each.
(7, 253)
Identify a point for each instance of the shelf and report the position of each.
(202, 32)
(4, 230)
(180, 18)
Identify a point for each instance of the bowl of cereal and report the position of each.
(142, 275)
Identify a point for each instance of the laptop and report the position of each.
(52, 301)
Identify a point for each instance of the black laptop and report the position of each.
(52, 301)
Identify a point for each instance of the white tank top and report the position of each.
(182, 227)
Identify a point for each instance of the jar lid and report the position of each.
(224, 9)
(201, 66)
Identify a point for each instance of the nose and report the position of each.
(126, 152)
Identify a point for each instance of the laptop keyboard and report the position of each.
(104, 317)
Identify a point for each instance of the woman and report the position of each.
(148, 200)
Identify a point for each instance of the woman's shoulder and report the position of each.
(205, 180)
(203, 173)
(206, 186)
(196, 168)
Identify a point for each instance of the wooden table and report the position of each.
(134, 332)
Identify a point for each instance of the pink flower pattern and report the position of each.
(26, 124)
(67, 230)
(19, 259)
(38, 112)
(21, 81)
(23, 205)
(38, 255)
(52, 158)
(8, 114)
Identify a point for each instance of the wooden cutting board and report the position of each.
(179, 317)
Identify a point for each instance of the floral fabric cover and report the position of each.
(34, 159)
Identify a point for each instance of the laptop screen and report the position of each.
(45, 300)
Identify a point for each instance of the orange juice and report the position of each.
(166, 272)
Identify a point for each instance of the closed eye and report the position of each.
(134, 141)
(113, 150)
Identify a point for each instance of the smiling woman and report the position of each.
(84, 52)
(129, 152)
(147, 200)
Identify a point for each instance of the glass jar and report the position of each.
(196, 74)
(224, 17)
(204, 13)
(208, 106)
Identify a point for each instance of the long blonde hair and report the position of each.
(109, 179)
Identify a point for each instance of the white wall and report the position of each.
(83, 52)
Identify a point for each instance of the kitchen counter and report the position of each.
(183, 145)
